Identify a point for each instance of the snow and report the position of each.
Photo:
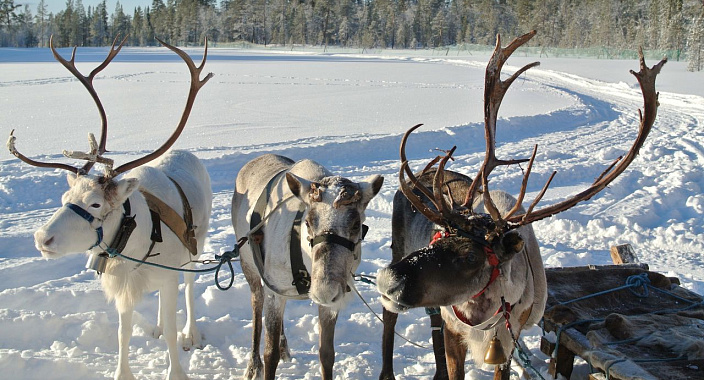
(347, 111)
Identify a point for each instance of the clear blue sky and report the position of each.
(56, 6)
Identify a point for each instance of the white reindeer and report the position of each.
(297, 213)
(104, 215)
(485, 270)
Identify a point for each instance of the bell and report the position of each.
(495, 353)
(98, 262)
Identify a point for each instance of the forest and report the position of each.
(674, 27)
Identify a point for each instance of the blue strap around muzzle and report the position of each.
(89, 218)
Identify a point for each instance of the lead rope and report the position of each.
(377, 315)
(227, 257)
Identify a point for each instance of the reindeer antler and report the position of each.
(196, 84)
(646, 78)
(98, 149)
(494, 91)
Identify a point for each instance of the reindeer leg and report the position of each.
(274, 314)
(123, 371)
(436, 323)
(191, 335)
(283, 346)
(159, 328)
(455, 354)
(326, 320)
(255, 367)
(168, 295)
(387, 345)
(503, 371)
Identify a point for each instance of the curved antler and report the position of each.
(406, 189)
(196, 84)
(494, 91)
(97, 149)
(646, 78)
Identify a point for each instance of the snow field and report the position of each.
(347, 112)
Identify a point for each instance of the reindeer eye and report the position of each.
(95, 205)
(469, 259)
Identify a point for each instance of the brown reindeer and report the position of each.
(485, 271)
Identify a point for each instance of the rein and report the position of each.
(98, 261)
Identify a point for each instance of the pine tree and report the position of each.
(41, 22)
(99, 25)
(695, 48)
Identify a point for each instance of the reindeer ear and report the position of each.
(370, 187)
(71, 178)
(511, 243)
(125, 188)
(300, 187)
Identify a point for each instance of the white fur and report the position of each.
(124, 282)
(329, 280)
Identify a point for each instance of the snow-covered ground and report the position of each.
(348, 112)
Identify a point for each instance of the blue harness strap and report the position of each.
(89, 218)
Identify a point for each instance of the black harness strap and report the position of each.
(190, 233)
(301, 277)
(156, 227)
(125, 230)
(331, 238)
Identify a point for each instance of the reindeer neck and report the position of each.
(135, 207)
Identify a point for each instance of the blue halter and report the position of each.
(89, 218)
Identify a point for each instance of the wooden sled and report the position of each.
(625, 321)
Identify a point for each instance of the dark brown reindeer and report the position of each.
(485, 272)
(104, 214)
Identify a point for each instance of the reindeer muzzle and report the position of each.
(89, 218)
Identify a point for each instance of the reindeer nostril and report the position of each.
(48, 241)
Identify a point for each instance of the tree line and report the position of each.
(673, 26)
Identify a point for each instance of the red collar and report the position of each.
(504, 311)
(495, 272)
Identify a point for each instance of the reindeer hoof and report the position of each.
(254, 369)
(124, 375)
(157, 332)
(191, 339)
(284, 352)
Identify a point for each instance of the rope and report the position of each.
(377, 315)
(633, 283)
(365, 278)
(267, 216)
(226, 257)
(524, 358)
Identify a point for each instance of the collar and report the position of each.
(504, 311)
(495, 271)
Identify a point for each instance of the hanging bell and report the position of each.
(98, 262)
(495, 353)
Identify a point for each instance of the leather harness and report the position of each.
(301, 276)
(182, 227)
